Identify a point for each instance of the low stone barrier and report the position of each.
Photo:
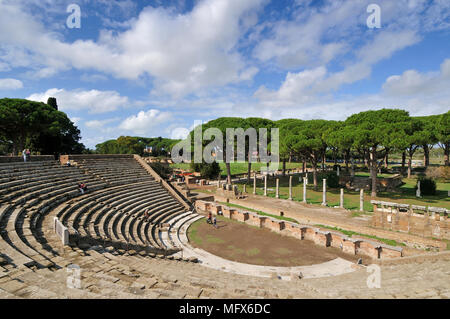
(33, 158)
(320, 237)
(413, 219)
(61, 231)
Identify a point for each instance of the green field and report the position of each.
(406, 194)
(239, 167)
(259, 212)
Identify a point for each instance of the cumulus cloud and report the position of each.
(308, 85)
(181, 51)
(297, 88)
(317, 34)
(412, 82)
(10, 84)
(146, 122)
(93, 101)
(179, 133)
(99, 124)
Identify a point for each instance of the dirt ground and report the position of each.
(236, 241)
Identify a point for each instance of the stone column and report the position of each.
(418, 190)
(305, 179)
(324, 195)
(254, 184)
(361, 200)
(245, 188)
(290, 187)
(265, 185)
(278, 189)
(341, 205)
(337, 171)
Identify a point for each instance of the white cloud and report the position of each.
(99, 124)
(414, 83)
(297, 88)
(10, 84)
(179, 133)
(76, 120)
(310, 84)
(180, 50)
(315, 35)
(146, 122)
(93, 101)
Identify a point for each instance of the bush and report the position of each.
(162, 170)
(427, 186)
(209, 171)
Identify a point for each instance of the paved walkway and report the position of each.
(334, 267)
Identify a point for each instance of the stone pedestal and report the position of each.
(361, 200)
(418, 190)
(277, 195)
(324, 195)
(290, 187)
(265, 185)
(305, 180)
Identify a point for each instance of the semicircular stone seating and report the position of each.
(110, 213)
(114, 252)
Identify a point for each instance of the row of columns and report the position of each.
(305, 182)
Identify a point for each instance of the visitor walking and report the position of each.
(146, 216)
(24, 154)
(28, 154)
(215, 222)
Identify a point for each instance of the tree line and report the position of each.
(371, 136)
(136, 145)
(38, 126)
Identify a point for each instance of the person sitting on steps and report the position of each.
(82, 188)
(209, 220)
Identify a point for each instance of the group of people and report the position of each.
(26, 154)
(212, 220)
(82, 188)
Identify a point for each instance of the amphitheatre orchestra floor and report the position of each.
(243, 243)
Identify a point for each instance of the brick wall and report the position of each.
(418, 220)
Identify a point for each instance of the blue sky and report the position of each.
(150, 68)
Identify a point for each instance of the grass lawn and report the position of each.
(350, 233)
(406, 194)
(239, 167)
(259, 212)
